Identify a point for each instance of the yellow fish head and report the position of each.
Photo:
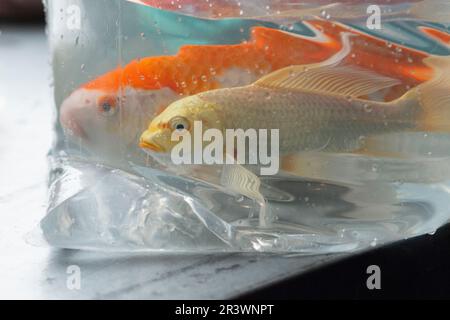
(180, 118)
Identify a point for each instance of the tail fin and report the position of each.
(442, 37)
(282, 48)
(434, 96)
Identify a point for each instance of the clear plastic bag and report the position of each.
(120, 64)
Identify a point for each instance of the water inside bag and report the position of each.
(117, 64)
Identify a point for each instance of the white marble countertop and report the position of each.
(30, 271)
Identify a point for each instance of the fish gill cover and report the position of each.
(361, 115)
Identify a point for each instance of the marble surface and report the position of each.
(30, 269)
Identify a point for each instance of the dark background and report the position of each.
(417, 268)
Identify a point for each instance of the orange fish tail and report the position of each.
(438, 35)
(282, 49)
(434, 96)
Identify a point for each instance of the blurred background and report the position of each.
(21, 10)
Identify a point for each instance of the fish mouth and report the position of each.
(150, 146)
(74, 131)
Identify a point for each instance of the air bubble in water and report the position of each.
(362, 138)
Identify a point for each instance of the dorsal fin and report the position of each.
(343, 80)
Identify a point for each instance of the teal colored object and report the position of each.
(168, 30)
(407, 33)
(177, 29)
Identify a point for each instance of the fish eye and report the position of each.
(107, 105)
(179, 123)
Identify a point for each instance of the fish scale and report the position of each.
(298, 115)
